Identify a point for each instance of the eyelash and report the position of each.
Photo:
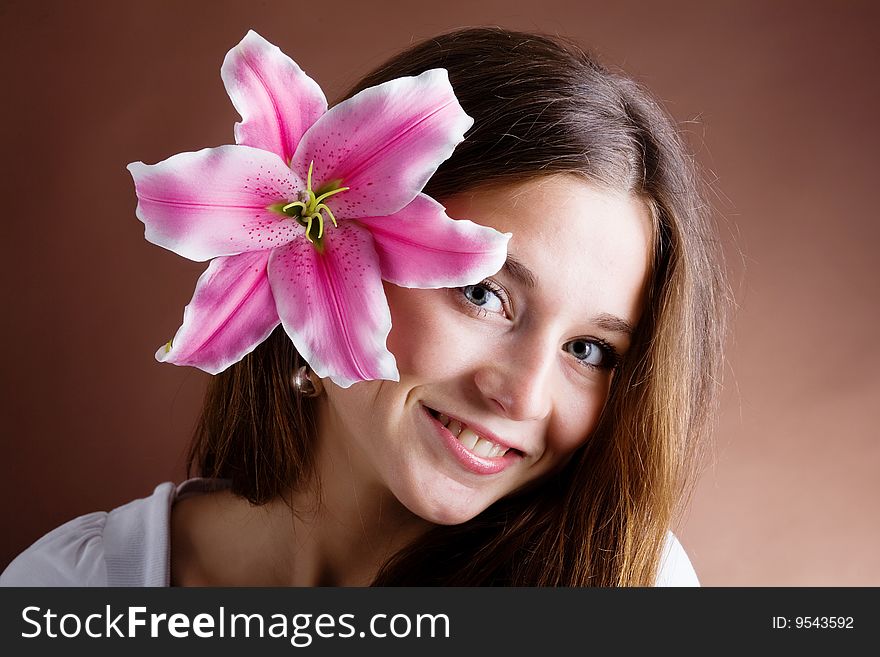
(611, 358)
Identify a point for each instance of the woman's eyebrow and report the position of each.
(520, 272)
(613, 323)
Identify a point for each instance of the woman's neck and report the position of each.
(342, 535)
(336, 531)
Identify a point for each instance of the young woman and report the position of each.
(546, 421)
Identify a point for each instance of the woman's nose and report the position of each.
(518, 383)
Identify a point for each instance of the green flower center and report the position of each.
(310, 209)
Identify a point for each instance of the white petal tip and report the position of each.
(347, 383)
(253, 35)
(163, 353)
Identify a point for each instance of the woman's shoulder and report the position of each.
(675, 565)
(207, 538)
(128, 546)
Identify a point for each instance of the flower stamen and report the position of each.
(311, 208)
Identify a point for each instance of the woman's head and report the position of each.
(553, 133)
(520, 362)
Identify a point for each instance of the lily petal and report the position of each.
(333, 306)
(384, 143)
(421, 246)
(231, 312)
(216, 201)
(277, 101)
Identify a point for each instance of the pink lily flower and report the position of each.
(308, 212)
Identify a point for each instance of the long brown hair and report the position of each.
(541, 106)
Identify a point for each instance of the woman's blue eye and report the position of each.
(592, 353)
(480, 295)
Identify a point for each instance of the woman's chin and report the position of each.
(450, 509)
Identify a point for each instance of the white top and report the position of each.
(131, 546)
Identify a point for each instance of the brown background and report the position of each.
(780, 103)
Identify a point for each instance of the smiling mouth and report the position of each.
(472, 441)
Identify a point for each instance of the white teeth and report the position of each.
(497, 450)
(468, 438)
(479, 446)
(483, 447)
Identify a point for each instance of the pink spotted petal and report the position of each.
(231, 312)
(216, 201)
(276, 100)
(420, 246)
(384, 143)
(333, 306)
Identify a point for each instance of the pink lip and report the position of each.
(470, 461)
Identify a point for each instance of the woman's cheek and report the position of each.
(428, 335)
(576, 419)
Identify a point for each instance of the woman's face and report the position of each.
(502, 381)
